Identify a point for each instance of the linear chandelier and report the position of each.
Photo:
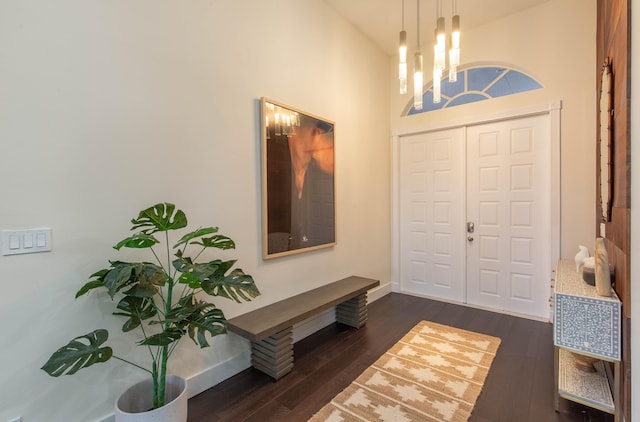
(439, 54)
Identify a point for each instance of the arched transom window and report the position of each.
(476, 83)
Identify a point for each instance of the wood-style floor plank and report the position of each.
(519, 386)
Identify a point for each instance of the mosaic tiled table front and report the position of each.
(587, 324)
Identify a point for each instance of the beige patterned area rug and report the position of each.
(434, 373)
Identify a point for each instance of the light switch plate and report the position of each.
(28, 240)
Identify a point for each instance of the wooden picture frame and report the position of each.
(605, 142)
(298, 186)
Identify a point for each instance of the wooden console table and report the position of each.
(586, 324)
(270, 329)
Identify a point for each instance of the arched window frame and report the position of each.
(476, 82)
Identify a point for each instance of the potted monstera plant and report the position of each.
(161, 299)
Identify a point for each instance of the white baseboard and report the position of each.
(380, 291)
(395, 287)
(218, 373)
(326, 318)
(315, 323)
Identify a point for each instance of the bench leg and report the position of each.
(353, 312)
(274, 354)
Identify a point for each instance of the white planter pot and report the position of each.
(134, 404)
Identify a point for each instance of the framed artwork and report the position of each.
(298, 185)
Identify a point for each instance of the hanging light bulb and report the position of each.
(455, 27)
(417, 81)
(437, 78)
(417, 71)
(439, 55)
(441, 58)
(454, 53)
(454, 61)
(455, 38)
(402, 68)
(440, 38)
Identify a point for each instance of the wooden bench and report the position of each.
(270, 329)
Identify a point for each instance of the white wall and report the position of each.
(110, 106)
(554, 43)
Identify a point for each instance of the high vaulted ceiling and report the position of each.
(381, 20)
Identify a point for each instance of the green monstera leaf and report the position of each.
(79, 354)
(141, 277)
(195, 235)
(137, 309)
(165, 338)
(199, 318)
(209, 319)
(160, 218)
(93, 284)
(218, 241)
(137, 241)
(194, 274)
(234, 285)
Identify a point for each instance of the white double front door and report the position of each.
(474, 206)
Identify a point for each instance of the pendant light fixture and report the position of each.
(402, 70)
(454, 52)
(417, 72)
(439, 54)
(440, 48)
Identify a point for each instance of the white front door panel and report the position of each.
(508, 183)
(432, 214)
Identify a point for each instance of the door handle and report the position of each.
(470, 238)
(470, 227)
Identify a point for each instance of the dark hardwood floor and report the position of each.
(519, 386)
